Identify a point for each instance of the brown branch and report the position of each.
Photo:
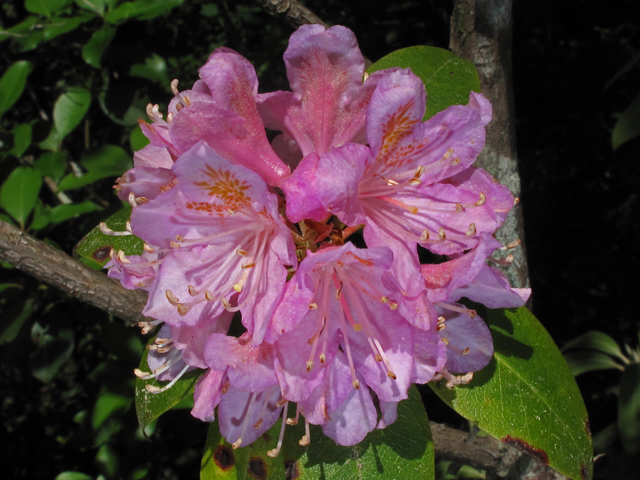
(481, 33)
(290, 11)
(54, 267)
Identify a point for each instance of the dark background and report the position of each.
(580, 201)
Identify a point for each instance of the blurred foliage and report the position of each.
(76, 75)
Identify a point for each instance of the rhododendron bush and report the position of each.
(311, 254)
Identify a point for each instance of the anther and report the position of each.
(513, 244)
(471, 231)
(459, 207)
(174, 86)
(378, 357)
(238, 287)
(179, 238)
(237, 443)
(258, 424)
(516, 201)
(465, 351)
(508, 260)
(139, 373)
(339, 292)
(441, 326)
(425, 235)
(445, 340)
(192, 291)
(147, 248)
(391, 375)
(441, 319)
(357, 327)
(448, 154)
(171, 297)
(208, 295)
(323, 358)
(309, 365)
(169, 117)
(121, 256)
(356, 384)
(304, 441)
(441, 234)
(384, 299)
(153, 388)
(393, 305)
(249, 265)
(183, 309)
(455, 161)
(225, 303)
(482, 200)
(174, 245)
(132, 200)
(242, 253)
(313, 306)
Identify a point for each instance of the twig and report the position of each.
(290, 11)
(54, 267)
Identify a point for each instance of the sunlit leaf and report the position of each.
(27, 34)
(150, 406)
(60, 25)
(12, 84)
(403, 450)
(102, 162)
(95, 246)
(19, 193)
(154, 68)
(52, 165)
(73, 476)
(629, 408)
(95, 6)
(527, 396)
(448, 79)
(109, 404)
(94, 49)
(62, 213)
(628, 124)
(68, 112)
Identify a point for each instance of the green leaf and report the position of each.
(27, 33)
(94, 49)
(73, 476)
(13, 318)
(595, 340)
(95, 246)
(141, 10)
(45, 7)
(95, 6)
(582, 362)
(629, 408)
(447, 78)
(21, 139)
(12, 84)
(402, 450)
(68, 112)
(154, 68)
(150, 406)
(52, 165)
(527, 396)
(19, 193)
(62, 213)
(102, 162)
(628, 124)
(109, 404)
(138, 140)
(60, 25)
(41, 216)
(53, 352)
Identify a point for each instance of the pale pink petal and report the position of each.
(469, 342)
(301, 192)
(429, 353)
(191, 340)
(207, 395)
(152, 156)
(147, 182)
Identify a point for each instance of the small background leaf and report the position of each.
(448, 79)
(595, 340)
(95, 246)
(94, 49)
(150, 406)
(141, 10)
(102, 162)
(628, 124)
(70, 109)
(19, 193)
(629, 408)
(52, 165)
(582, 362)
(403, 450)
(12, 84)
(527, 374)
(45, 7)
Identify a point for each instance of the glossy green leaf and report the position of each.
(94, 49)
(628, 124)
(102, 162)
(448, 79)
(19, 193)
(41, 216)
(109, 404)
(403, 450)
(54, 349)
(12, 84)
(150, 406)
(154, 68)
(589, 361)
(21, 139)
(95, 246)
(629, 408)
(52, 165)
(26, 34)
(45, 7)
(595, 340)
(68, 112)
(13, 318)
(60, 25)
(527, 396)
(108, 460)
(141, 10)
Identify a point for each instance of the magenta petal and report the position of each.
(152, 156)
(481, 105)
(207, 395)
(325, 69)
(249, 368)
(469, 342)
(144, 182)
(338, 175)
(429, 352)
(389, 412)
(191, 340)
(356, 417)
(491, 288)
(301, 192)
(244, 414)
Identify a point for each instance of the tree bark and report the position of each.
(290, 11)
(481, 33)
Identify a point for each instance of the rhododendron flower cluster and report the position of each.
(311, 241)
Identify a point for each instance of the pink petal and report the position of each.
(207, 395)
(463, 332)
